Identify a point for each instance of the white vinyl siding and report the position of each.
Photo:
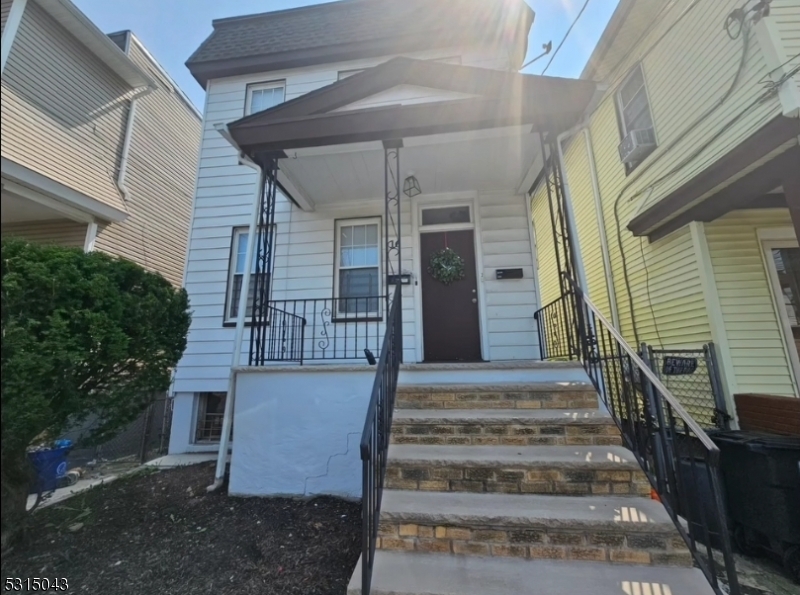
(303, 265)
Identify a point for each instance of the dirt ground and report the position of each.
(160, 532)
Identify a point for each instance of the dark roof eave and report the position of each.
(397, 122)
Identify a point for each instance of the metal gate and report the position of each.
(692, 375)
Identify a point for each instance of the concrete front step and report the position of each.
(603, 529)
(576, 470)
(412, 573)
(509, 427)
(532, 395)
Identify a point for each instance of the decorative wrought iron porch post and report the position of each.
(262, 279)
(392, 219)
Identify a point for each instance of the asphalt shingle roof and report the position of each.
(362, 21)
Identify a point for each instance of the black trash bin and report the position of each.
(761, 474)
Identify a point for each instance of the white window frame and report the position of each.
(446, 226)
(339, 223)
(202, 413)
(235, 234)
(260, 87)
(768, 244)
(618, 98)
(344, 74)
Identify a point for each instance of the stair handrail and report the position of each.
(678, 457)
(376, 435)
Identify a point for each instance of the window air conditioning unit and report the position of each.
(637, 144)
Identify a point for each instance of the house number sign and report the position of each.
(679, 366)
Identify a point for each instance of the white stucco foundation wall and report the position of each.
(297, 432)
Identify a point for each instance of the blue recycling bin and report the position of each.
(50, 465)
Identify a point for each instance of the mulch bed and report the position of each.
(162, 533)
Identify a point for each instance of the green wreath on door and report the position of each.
(446, 266)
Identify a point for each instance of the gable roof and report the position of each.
(498, 99)
(352, 29)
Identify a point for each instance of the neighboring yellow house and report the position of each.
(99, 146)
(683, 229)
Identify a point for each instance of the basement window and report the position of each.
(211, 409)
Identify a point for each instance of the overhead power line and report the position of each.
(553, 57)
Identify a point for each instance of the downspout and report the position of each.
(601, 224)
(126, 143)
(571, 225)
(227, 419)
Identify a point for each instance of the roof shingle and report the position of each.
(434, 23)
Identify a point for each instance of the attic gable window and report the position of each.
(262, 96)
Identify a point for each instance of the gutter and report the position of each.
(571, 223)
(227, 418)
(601, 225)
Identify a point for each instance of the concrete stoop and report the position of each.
(523, 489)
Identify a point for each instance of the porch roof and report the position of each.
(485, 99)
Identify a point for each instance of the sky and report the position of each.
(172, 29)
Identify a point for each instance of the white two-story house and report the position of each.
(460, 129)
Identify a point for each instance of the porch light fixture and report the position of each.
(411, 186)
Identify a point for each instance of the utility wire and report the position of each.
(574, 22)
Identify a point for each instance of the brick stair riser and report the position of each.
(597, 544)
(515, 480)
(504, 434)
(495, 400)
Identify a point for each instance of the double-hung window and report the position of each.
(236, 275)
(358, 268)
(262, 96)
(634, 114)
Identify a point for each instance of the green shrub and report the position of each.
(82, 334)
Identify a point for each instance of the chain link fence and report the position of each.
(145, 439)
(692, 375)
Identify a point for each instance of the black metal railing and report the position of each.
(375, 439)
(298, 331)
(680, 460)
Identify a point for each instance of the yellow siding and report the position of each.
(63, 111)
(754, 334)
(687, 71)
(63, 232)
(547, 270)
(160, 177)
(580, 185)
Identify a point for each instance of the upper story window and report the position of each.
(635, 119)
(263, 96)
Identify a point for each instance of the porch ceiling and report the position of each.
(442, 164)
(15, 209)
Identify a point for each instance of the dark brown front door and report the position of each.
(450, 327)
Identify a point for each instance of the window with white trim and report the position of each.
(357, 275)
(262, 96)
(210, 411)
(236, 275)
(633, 104)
